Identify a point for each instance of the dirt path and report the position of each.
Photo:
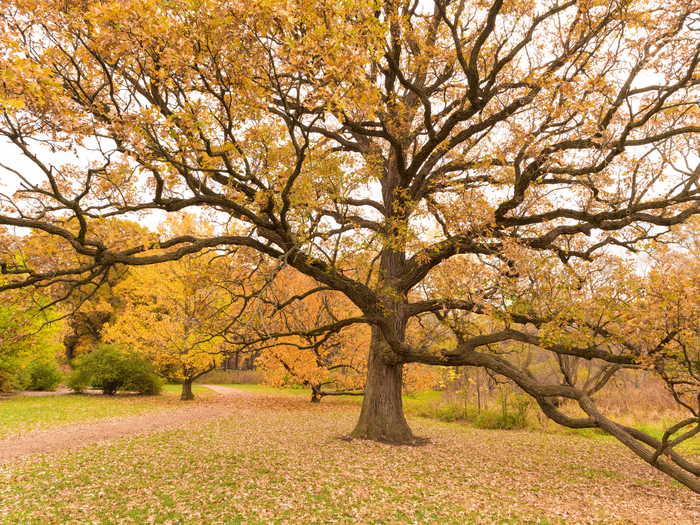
(229, 401)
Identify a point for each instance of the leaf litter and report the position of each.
(278, 459)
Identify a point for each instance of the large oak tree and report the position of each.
(426, 159)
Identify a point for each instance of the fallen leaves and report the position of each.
(278, 460)
(20, 415)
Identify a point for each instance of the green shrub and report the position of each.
(511, 414)
(487, 419)
(496, 419)
(8, 381)
(41, 374)
(506, 421)
(110, 369)
(147, 384)
(79, 379)
(454, 411)
(522, 404)
(448, 411)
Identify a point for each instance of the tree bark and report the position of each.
(381, 418)
(187, 394)
(315, 394)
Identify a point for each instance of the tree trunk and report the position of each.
(382, 418)
(187, 394)
(315, 394)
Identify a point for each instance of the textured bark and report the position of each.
(382, 416)
(187, 394)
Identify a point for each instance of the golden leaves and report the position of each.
(299, 355)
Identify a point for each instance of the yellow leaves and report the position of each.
(185, 224)
(10, 98)
(179, 314)
(222, 103)
(23, 82)
(419, 378)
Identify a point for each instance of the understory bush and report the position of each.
(41, 374)
(110, 369)
(512, 412)
(8, 381)
(496, 419)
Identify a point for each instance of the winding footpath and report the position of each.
(229, 401)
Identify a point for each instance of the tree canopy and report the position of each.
(296, 345)
(465, 166)
(180, 314)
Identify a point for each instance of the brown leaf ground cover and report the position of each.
(280, 460)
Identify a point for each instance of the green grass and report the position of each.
(262, 389)
(297, 392)
(196, 389)
(413, 404)
(22, 414)
(288, 466)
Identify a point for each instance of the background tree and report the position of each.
(448, 136)
(665, 322)
(26, 332)
(25, 336)
(177, 314)
(297, 345)
(89, 304)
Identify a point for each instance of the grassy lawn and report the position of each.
(286, 461)
(289, 466)
(412, 403)
(22, 414)
(429, 404)
(197, 390)
(262, 389)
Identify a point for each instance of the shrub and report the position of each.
(79, 379)
(8, 381)
(147, 384)
(110, 369)
(487, 419)
(450, 412)
(496, 419)
(41, 374)
(507, 421)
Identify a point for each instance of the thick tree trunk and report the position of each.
(382, 416)
(187, 394)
